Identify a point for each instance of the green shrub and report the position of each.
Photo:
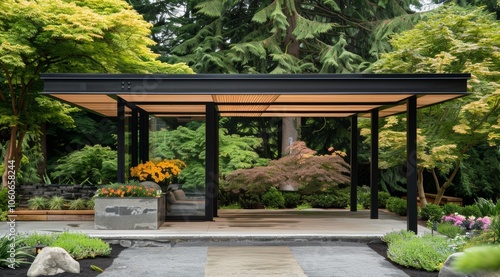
(363, 196)
(481, 258)
(397, 205)
(81, 246)
(292, 199)
(56, 203)
(471, 210)
(432, 212)
(427, 252)
(322, 200)
(78, 204)
(249, 200)
(90, 204)
(4, 215)
(449, 230)
(397, 235)
(273, 198)
(13, 254)
(487, 207)
(451, 208)
(34, 239)
(94, 164)
(495, 227)
(233, 206)
(304, 206)
(382, 199)
(4, 198)
(38, 203)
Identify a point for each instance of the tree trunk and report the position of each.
(290, 126)
(447, 184)
(14, 150)
(289, 134)
(420, 186)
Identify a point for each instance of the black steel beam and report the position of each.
(354, 163)
(411, 166)
(374, 166)
(254, 83)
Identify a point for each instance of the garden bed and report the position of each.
(56, 215)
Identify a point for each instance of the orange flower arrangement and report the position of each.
(130, 190)
(157, 171)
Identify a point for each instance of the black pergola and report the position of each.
(212, 95)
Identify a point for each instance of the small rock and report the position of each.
(51, 261)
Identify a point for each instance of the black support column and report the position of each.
(374, 165)
(354, 163)
(121, 140)
(143, 136)
(211, 168)
(411, 166)
(134, 143)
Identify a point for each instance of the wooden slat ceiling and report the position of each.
(326, 95)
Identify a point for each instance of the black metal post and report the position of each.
(143, 135)
(216, 166)
(121, 140)
(411, 166)
(211, 175)
(354, 163)
(374, 165)
(134, 151)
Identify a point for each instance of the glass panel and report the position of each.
(174, 139)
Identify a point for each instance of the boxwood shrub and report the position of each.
(397, 205)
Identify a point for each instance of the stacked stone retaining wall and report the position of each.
(69, 192)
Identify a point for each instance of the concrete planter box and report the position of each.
(115, 213)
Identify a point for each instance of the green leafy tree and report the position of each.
(64, 36)
(187, 143)
(451, 39)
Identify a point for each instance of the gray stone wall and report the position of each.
(70, 192)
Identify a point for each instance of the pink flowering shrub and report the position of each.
(469, 223)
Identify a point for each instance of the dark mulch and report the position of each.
(85, 270)
(381, 249)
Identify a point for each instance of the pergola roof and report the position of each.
(314, 95)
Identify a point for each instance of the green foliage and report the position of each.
(90, 204)
(449, 39)
(304, 206)
(323, 200)
(56, 203)
(432, 212)
(4, 198)
(215, 36)
(479, 259)
(383, 196)
(397, 205)
(13, 252)
(60, 36)
(273, 198)
(488, 207)
(81, 246)
(426, 252)
(35, 239)
(78, 204)
(364, 196)
(95, 164)
(398, 235)
(232, 206)
(250, 200)
(38, 203)
(292, 199)
(471, 210)
(4, 215)
(78, 245)
(495, 227)
(452, 208)
(449, 230)
(188, 144)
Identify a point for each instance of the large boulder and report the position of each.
(150, 184)
(51, 261)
